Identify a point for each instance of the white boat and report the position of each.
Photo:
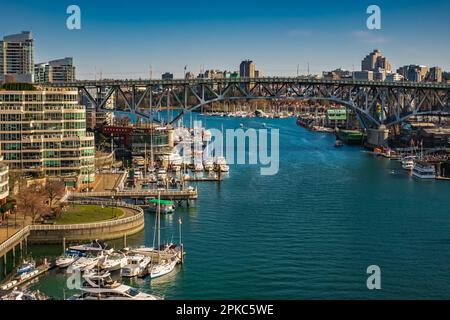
(423, 170)
(136, 266)
(95, 246)
(83, 264)
(198, 167)
(25, 295)
(162, 268)
(208, 164)
(224, 168)
(114, 261)
(162, 174)
(408, 163)
(102, 287)
(26, 270)
(66, 260)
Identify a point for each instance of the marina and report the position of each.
(217, 210)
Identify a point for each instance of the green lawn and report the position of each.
(87, 213)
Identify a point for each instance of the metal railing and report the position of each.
(104, 224)
(17, 237)
(123, 193)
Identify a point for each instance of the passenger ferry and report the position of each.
(423, 170)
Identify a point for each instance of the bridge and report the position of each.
(374, 102)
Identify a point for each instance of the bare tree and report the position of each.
(54, 189)
(31, 201)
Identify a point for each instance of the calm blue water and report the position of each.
(308, 232)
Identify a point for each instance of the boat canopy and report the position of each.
(167, 202)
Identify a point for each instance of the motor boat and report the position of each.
(136, 266)
(162, 174)
(102, 287)
(94, 246)
(83, 264)
(198, 167)
(67, 259)
(408, 163)
(25, 295)
(114, 261)
(26, 270)
(208, 164)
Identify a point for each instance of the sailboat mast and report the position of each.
(159, 220)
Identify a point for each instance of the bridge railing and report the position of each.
(199, 81)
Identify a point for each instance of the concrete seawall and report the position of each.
(106, 230)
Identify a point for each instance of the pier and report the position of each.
(187, 194)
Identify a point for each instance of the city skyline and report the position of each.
(125, 43)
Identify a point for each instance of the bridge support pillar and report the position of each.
(377, 137)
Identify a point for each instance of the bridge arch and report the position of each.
(348, 104)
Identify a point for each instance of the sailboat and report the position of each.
(163, 266)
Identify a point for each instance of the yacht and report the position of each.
(136, 266)
(423, 170)
(162, 268)
(67, 259)
(198, 167)
(95, 246)
(114, 261)
(208, 164)
(102, 287)
(83, 264)
(221, 164)
(162, 174)
(25, 295)
(408, 163)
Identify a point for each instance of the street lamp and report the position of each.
(112, 207)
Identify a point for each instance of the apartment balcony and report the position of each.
(4, 194)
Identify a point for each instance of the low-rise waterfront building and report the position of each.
(43, 133)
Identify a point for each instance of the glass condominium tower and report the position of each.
(43, 133)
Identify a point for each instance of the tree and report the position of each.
(54, 189)
(31, 201)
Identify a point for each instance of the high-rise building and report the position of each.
(61, 70)
(374, 61)
(43, 133)
(247, 69)
(17, 57)
(167, 76)
(259, 73)
(414, 73)
(435, 74)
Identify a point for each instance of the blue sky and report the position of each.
(122, 39)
